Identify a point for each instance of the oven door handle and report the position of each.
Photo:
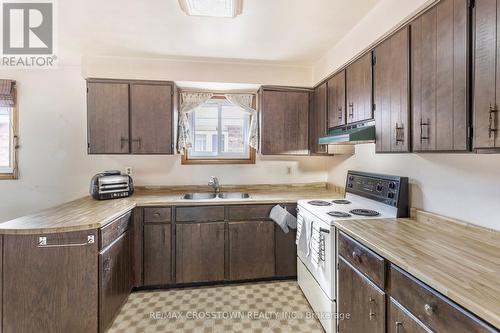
(323, 230)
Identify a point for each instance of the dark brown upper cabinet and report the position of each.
(336, 100)
(487, 76)
(318, 120)
(151, 118)
(126, 117)
(108, 118)
(439, 53)
(359, 89)
(391, 81)
(284, 121)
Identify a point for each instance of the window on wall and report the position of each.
(6, 143)
(219, 132)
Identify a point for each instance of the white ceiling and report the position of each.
(285, 31)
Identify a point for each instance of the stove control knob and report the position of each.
(380, 188)
(390, 195)
(350, 185)
(392, 185)
(351, 178)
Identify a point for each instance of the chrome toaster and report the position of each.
(111, 185)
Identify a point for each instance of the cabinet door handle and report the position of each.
(139, 141)
(107, 265)
(340, 113)
(400, 134)
(122, 142)
(422, 124)
(492, 130)
(42, 242)
(398, 326)
(351, 110)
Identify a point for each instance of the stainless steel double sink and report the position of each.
(212, 195)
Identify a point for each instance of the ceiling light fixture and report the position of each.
(212, 8)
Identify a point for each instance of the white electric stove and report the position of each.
(368, 196)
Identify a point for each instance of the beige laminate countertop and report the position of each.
(87, 213)
(458, 260)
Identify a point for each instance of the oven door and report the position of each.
(321, 259)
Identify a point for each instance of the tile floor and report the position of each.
(258, 307)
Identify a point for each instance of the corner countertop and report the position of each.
(459, 260)
(87, 213)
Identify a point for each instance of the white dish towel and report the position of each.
(283, 218)
(304, 233)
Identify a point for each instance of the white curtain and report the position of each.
(189, 102)
(245, 101)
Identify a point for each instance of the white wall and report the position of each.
(462, 186)
(54, 165)
(199, 70)
(386, 15)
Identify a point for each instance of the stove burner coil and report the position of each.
(364, 212)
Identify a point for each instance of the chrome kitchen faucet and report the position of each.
(214, 182)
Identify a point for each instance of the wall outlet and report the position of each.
(128, 171)
(288, 170)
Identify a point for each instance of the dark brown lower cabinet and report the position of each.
(361, 300)
(115, 279)
(251, 250)
(431, 308)
(50, 288)
(286, 252)
(157, 257)
(400, 320)
(199, 252)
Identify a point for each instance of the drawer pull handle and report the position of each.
(429, 309)
(371, 314)
(356, 256)
(156, 214)
(42, 242)
(398, 326)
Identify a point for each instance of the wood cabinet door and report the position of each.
(285, 122)
(439, 78)
(359, 89)
(151, 118)
(50, 289)
(115, 279)
(486, 75)
(318, 120)
(157, 262)
(108, 118)
(286, 252)
(361, 299)
(336, 100)
(199, 252)
(251, 250)
(391, 83)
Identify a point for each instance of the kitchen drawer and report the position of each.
(113, 230)
(254, 212)
(157, 214)
(433, 309)
(199, 214)
(400, 320)
(365, 260)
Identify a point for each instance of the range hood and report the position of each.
(360, 132)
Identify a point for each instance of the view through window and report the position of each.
(5, 141)
(220, 131)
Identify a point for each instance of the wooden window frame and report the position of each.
(14, 142)
(214, 161)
